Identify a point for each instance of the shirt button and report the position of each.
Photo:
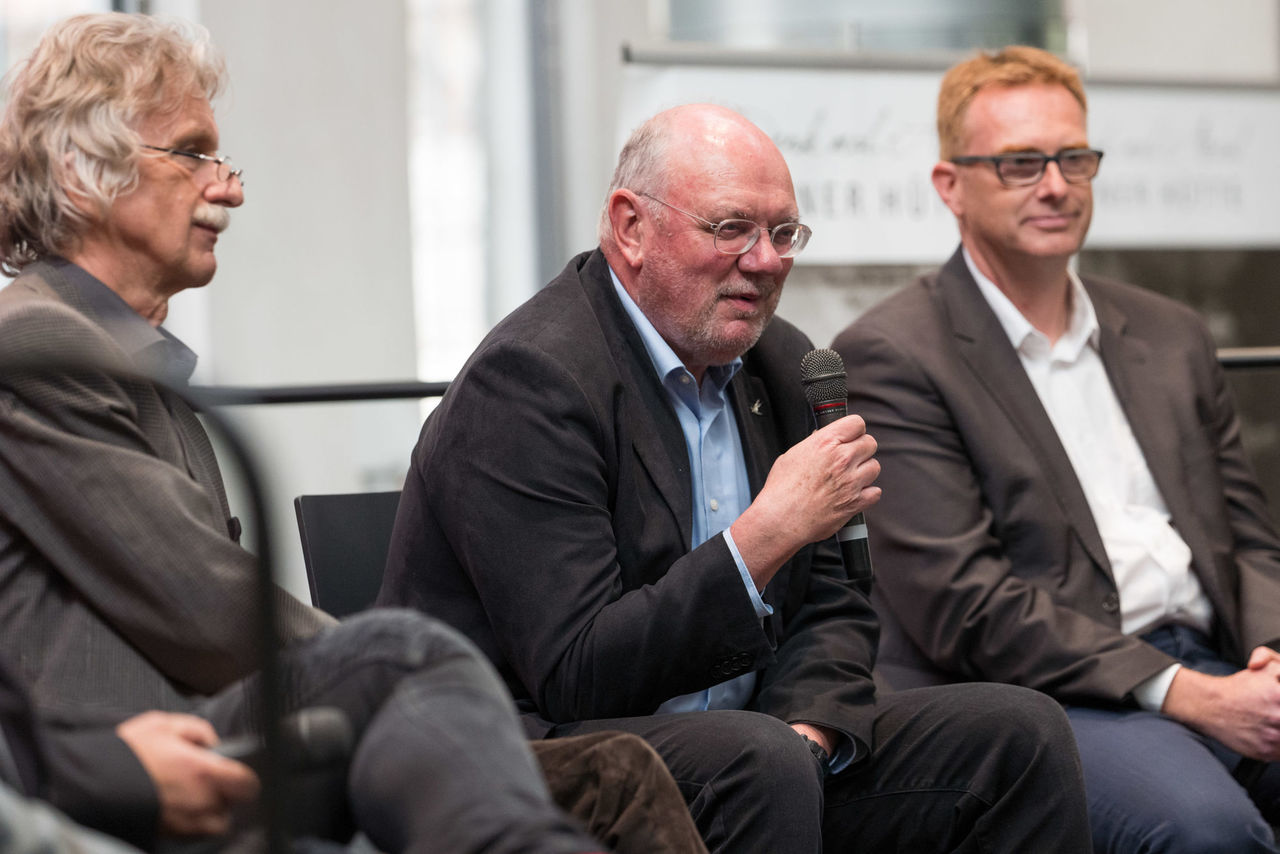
(715, 505)
(684, 378)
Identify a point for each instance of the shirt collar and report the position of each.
(664, 359)
(153, 349)
(1082, 327)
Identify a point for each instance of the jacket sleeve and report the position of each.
(822, 674)
(536, 470)
(97, 780)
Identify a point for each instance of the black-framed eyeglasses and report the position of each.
(737, 236)
(226, 170)
(1023, 168)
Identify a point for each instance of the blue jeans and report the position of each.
(1155, 785)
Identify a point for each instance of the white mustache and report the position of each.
(212, 216)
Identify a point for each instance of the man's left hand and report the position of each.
(822, 735)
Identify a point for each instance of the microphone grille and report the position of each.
(823, 377)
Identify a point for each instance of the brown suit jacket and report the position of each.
(121, 589)
(989, 563)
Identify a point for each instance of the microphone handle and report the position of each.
(855, 548)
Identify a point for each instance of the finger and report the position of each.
(194, 729)
(1260, 657)
(862, 449)
(868, 498)
(868, 472)
(234, 780)
(845, 429)
(211, 822)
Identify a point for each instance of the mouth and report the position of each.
(1052, 221)
(745, 303)
(747, 298)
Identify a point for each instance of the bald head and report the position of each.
(699, 142)
(688, 182)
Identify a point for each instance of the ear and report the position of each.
(946, 180)
(90, 208)
(628, 226)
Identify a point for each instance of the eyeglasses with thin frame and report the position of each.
(737, 236)
(225, 168)
(1024, 168)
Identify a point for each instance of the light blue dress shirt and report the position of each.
(718, 465)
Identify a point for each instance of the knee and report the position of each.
(409, 637)
(376, 652)
(1197, 825)
(1019, 716)
(773, 756)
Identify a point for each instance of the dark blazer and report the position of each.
(88, 773)
(121, 589)
(547, 514)
(989, 563)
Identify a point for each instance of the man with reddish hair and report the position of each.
(1067, 504)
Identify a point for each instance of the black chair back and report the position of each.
(344, 544)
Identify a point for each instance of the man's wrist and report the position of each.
(820, 753)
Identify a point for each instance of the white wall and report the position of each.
(314, 281)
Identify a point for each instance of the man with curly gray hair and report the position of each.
(122, 583)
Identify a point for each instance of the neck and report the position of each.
(1038, 287)
(130, 284)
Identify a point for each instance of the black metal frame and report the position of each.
(1232, 358)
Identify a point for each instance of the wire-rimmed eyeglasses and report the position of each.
(225, 168)
(737, 236)
(1023, 168)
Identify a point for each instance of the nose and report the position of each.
(1051, 183)
(228, 193)
(761, 257)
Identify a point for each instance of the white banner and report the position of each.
(1186, 167)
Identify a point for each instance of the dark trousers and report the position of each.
(981, 767)
(440, 760)
(1155, 785)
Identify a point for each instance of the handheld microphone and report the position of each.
(823, 377)
(310, 739)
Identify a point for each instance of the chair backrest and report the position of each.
(344, 544)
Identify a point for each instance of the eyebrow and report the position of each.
(196, 139)
(738, 213)
(1031, 149)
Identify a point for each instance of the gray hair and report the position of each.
(642, 165)
(68, 130)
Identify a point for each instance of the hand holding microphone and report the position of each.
(823, 377)
(811, 491)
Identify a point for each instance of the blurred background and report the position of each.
(417, 168)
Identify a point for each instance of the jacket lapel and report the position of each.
(657, 438)
(1144, 398)
(984, 346)
(752, 409)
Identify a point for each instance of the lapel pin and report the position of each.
(755, 408)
